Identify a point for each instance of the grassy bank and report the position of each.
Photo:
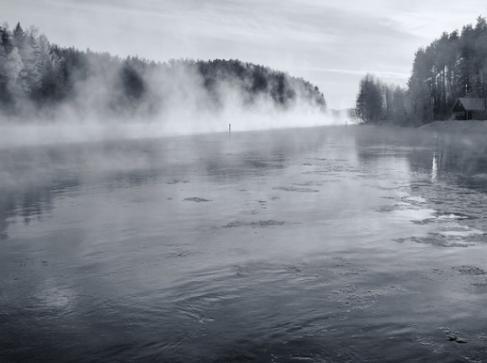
(462, 127)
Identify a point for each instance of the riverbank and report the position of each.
(463, 127)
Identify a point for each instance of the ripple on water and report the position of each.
(309, 184)
(177, 181)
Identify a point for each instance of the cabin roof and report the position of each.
(472, 104)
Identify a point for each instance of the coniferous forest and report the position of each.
(37, 77)
(453, 66)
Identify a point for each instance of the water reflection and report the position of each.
(434, 168)
(28, 205)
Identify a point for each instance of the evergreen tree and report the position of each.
(369, 101)
(36, 73)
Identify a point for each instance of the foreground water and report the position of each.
(326, 244)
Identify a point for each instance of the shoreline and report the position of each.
(463, 127)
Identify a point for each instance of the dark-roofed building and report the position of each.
(470, 108)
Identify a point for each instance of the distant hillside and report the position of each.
(38, 77)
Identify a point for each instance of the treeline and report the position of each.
(36, 76)
(378, 102)
(453, 66)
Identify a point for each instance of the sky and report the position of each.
(331, 43)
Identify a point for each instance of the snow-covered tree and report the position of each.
(13, 68)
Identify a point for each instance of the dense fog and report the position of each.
(53, 94)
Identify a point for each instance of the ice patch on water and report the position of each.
(415, 199)
(462, 232)
(435, 239)
(451, 216)
(414, 214)
(450, 232)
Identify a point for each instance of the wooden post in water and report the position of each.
(229, 129)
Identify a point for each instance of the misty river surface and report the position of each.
(323, 244)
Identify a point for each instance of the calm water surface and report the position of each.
(326, 244)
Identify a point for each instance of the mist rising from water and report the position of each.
(61, 95)
(178, 104)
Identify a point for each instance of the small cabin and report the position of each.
(470, 108)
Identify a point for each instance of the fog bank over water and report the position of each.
(186, 123)
(64, 94)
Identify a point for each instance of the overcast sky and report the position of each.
(331, 43)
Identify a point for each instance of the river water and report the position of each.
(342, 244)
